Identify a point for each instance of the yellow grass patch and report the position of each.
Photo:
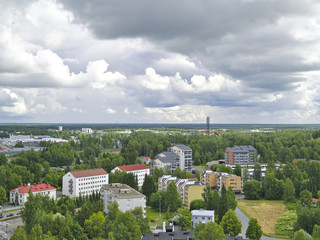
(266, 212)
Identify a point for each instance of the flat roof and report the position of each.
(120, 190)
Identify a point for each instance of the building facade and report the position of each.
(201, 216)
(231, 180)
(209, 178)
(168, 160)
(185, 156)
(20, 195)
(126, 197)
(83, 182)
(139, 170)
(192, 192)
(242, 155)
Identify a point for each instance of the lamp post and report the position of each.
(160, 206)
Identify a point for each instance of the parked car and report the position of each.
(18, 213)
(1, 216)
(10, 215)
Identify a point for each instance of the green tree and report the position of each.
(301, 235)
(184, 218)
(19, 234)
(257, 175)
(252, 190)
(273, 188)
(223, 203)
(306, 198)
(3, 159)
(207, 198)
(196, 204)
(209, 231)
(126, 227)
(93, 226)
(19, 145)
(67, 234)
(230, 223)
(142, 222)
(231, 197)
(216, 200)
(316, 232)
(237, 170)
(198, 175)
(173, 202)
(148, 187)
(246, 176)
(288, 191)
(3, 195)
(36, 232)
(254, 230)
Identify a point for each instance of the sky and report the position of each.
(144, 61)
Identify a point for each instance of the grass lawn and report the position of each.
(266, 212)
(154, 217)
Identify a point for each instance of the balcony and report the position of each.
(70, 181)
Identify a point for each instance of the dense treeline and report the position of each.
(79, 218)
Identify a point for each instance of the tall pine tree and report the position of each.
(223, 203)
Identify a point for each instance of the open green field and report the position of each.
(266, 212)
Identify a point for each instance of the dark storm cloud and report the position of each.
(241, 39)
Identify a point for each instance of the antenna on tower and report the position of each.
(208, 126)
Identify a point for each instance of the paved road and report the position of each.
(245, 222)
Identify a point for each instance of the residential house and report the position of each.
(201, 216)
(20, 195)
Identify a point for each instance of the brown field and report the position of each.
(266, 212)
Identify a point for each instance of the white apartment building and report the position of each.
(126, 197)
(185, 156)
(20, 195)
(83, 182)
(139, 170)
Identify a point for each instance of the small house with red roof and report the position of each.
(20, 195)
(139, 170)
(146, 160)
(84, 182)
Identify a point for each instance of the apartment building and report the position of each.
(179, 185)
(20, 195)
(164, 181)
(83, 182)
(210, 178)
(168, 160)
(240, 155)
(185, 156)
(230, 180)
(192, 190)
(126, 197)
(139, 170)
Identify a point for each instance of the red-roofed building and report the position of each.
(139, 170)
(315, 201)
(146, 160)
(20, 195)
(84, 182)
